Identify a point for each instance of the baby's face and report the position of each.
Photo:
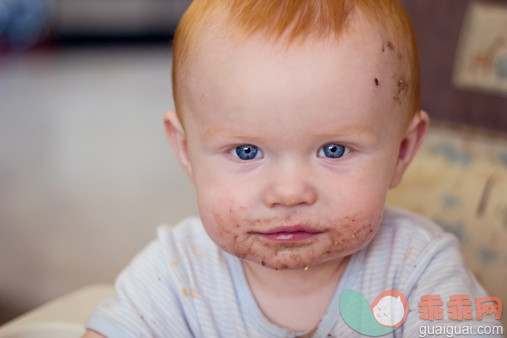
(292, 151)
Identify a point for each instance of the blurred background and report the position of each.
(86, 171)
(86, 174)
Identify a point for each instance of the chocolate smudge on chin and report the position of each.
(341, 238)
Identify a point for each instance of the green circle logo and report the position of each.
(387, 312)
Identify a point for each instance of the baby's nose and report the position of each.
(290, 187)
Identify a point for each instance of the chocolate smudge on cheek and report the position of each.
(235, 233)
(229, 235)
(348, 236)
(243, 242)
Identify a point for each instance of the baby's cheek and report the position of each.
(351, 234)
(344, 238)
(229, 227)
(225, 226)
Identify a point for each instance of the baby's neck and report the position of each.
(291, 282)
(294, 299)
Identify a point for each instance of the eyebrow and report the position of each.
(346, 131)
(353, 130)
(214, 131)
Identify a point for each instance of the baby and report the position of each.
(293, 119)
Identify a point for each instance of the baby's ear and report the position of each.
(175, 133)
(409, 145)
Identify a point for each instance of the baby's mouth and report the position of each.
(290, 233)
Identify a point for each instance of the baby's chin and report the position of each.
(281, 264)
(337, 241)
(291, 258)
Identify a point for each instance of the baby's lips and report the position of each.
(290, 233)
(293, 229)
(296, 236)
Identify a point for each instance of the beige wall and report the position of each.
(86, 171)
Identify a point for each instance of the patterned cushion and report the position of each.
(459, 180)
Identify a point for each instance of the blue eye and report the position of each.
(333, 150)
(247, 152)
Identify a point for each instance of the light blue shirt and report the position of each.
(183, 285)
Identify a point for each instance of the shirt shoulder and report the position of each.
(403, 221)
(410, 237)
(413, 255)
(408, 247)
(185, 240)
(171, 288)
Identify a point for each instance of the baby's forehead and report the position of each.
(254, 74)
(212, 24)
(223, 35)
(383, 65)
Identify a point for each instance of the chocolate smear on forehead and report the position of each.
(401, 87)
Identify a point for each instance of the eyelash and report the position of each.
(247, 149)
(342, 150)
(252, 152)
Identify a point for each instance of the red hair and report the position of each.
(295, 20)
